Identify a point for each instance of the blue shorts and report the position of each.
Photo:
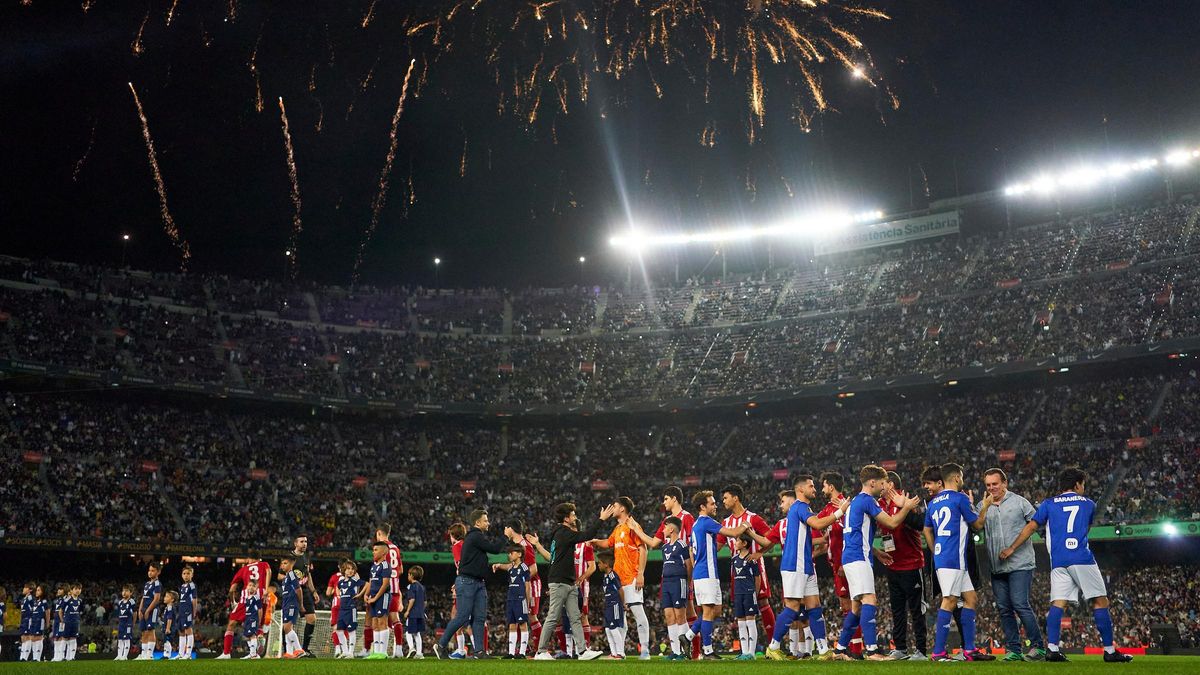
(149, 621)
(415, 624)
(675, 592)
(614, 616)
(380, 606)
(186, 619)
(25, 626)
(745, 604)
(56, 629)
(37, 626)
(125, 630)
(290, 613)
(70, 629)
(514, 612)
(346, 619)
(249, 628)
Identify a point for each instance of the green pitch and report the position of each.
(1081, 665)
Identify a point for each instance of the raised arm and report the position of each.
(981, 520)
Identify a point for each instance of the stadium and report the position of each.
(599, 331)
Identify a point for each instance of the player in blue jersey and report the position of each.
(676, 569)
(797, 566)
(170, 619)
(349, 588)
(124, 609)
(614, 605)
(56, 622)
(704, 571)
(858, 534)
(377, 599)
(27, 602)
(39, 614)
(189, 606)
(747, 580)
(516, 604)
(72, 608)
(414, 613)
(252, 602)
(1073, 568)
(147, 611)
(291, 584)
(949, 520)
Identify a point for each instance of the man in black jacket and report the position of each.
(564, 593)
(470, 587)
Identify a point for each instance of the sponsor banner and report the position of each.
(886, 234)
(600, 485)
(1137, 443)
(1007, 455)
(779, 474)
(691, 481)
(149, 466)
(467, 485)
(888, 464)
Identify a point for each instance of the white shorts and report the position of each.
(1066, 583)
(797, 585)
(632, 594)
(708, 591)
(954, 582)
(860, 578)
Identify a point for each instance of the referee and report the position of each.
(308, 592)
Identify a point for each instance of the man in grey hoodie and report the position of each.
(1012, 578)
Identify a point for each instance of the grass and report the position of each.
(1159, 665)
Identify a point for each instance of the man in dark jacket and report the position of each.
(470, 588)
(564, 592)
(906, 588)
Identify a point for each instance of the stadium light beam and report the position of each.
(1087, 177)
(816, 225)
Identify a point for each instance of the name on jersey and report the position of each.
(1063, 499)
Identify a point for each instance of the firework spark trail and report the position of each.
(381, 196)
(171, 12)
(462, 164)
(297, 226)
(86, 154)
(137, 47)
(366, 21)
(258, 99)
(168, 221)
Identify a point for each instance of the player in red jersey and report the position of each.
(331, 592)
(732, 496)
(673, 506)
(260, 573)
(396, 563)
(831, 487)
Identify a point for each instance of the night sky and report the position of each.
(985, 89)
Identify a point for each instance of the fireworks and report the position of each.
(381, 196)
(86, 153)
(552, 47)
(171, 12)
(137, 47)
(294, 240)
(168, 221)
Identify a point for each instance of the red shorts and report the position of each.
(239, 612)
(840, 587)
(394, 604)
(585, 593)
(333, 614)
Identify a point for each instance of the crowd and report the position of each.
(1062, 289)
(127, 469)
